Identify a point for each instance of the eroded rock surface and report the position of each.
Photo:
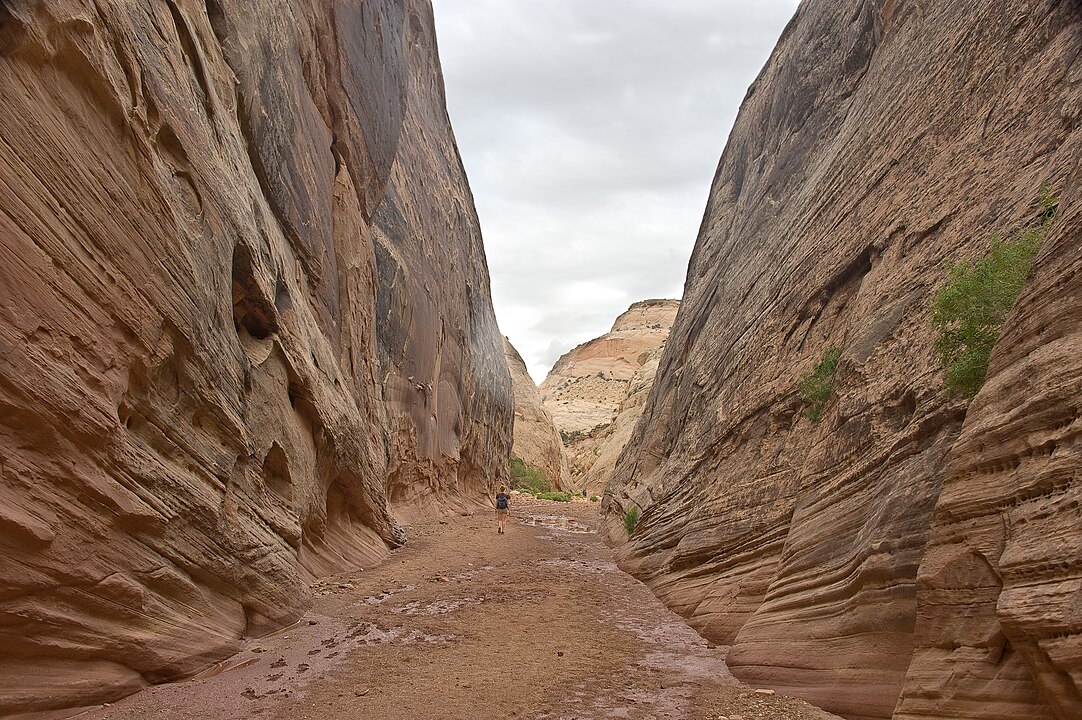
(881, 141)
(536, 441)
(596, 391)
(999, 591)
(243, 301)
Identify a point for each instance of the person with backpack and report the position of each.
(503, 508)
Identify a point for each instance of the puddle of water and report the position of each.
(386, 595)
(587, 566)
(471, 574)
(436, 607)
(557, 522)
(366, 633)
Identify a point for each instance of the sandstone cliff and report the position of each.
(536, 441)
(882, 140)
(999, 591)
(243, 303)
(596, 391)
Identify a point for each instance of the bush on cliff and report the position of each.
(528, 478)
(631, 519)
(556, 495)
(815, 387)
(968, 312)
(570, 437)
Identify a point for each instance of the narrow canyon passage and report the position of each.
(465, 623)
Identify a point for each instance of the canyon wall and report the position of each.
(596, 391)
(999, 591)
(536, 441)
(243, 305)
(882, 141)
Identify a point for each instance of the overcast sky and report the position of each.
(590, 131)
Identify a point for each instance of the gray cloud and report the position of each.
(590, 131)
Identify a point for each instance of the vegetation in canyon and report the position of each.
(528, 478)
(969, 310)
(815, 387)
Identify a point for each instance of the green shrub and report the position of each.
(816, 386)
(594, 498)
(568, 437)
(1049, 206)
(555, 495)
(631, 519)
(528, 478)
(968, 312)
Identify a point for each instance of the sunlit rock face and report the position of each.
(596, 391)
(243, 305)
(536, 441)
(882, 141)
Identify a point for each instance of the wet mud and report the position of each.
(464, 623)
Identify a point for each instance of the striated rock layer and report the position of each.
(243, 303)
(596, 391)
(882, 140)
(999, 591)
(536, 441)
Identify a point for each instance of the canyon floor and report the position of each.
(462, 622)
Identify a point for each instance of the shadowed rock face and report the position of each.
(536, 441)
(881, 141)
(243, 302)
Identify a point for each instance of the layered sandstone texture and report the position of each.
(881, 141)
(243, 304)
(536, 441)
(596, 391)
(999, 591)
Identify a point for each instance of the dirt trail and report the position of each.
(461, 623)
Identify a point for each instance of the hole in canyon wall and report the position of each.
(168, 141)
(155, 387)
(216, 15)
(124, 414)
(283, 301)
(831, 301)
(252, 313)
(344, 534)
(416, 26)
(173, 154)
(342, 510)
(900, 415)
(276, 477)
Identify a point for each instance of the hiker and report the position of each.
(503, 507)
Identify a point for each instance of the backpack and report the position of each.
(501, 501)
